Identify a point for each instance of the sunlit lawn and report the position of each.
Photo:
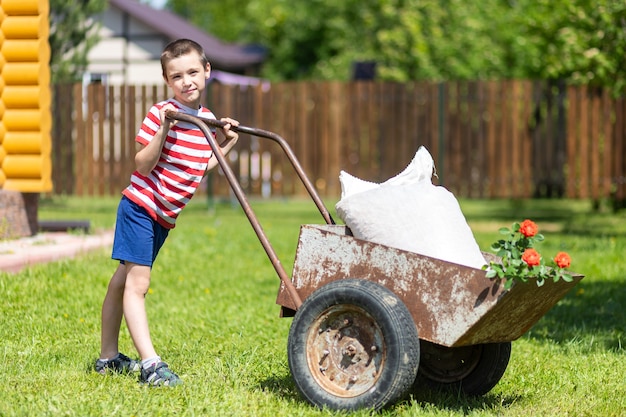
(214, 319)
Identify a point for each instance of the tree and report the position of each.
(71, 37)
(580, 41)
(409, 39)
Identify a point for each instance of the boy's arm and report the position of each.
(229, 139)
(148, 156)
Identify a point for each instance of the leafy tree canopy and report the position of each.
(582, 41)
(71, 37)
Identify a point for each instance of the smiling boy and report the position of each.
(169, 167)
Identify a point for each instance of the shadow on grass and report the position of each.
(592, 312)
(284, 388)
(458, 402)
(537, 210)
(281, 386)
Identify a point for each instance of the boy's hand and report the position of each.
(165, 122)
(230, 135)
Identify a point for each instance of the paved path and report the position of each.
(47, 247)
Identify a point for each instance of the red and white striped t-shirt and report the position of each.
(183, 161)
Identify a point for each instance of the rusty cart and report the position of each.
(371, 323)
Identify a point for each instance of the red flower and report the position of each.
(531, 257)
(528, 228)
(562, 260)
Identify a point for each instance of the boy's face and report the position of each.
(187, 77)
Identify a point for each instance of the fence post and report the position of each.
(441, 109)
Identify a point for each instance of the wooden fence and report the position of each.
(492, 139)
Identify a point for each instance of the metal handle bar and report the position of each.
(202, 124)
(290, 155)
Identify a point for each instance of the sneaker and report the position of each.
(120, 364)
(159, 375)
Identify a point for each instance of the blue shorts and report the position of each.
(138, 237)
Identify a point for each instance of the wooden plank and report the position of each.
(321, 152)
(411, 123)
(100, 119)
(337, 134)
(422, 107)
(516, 143)
(479, 168)
(435, 129)
(123, 103)
(302, 149)
(405, 127)
(458, 144)
(128, 130)
(62, 141)
(526, 152)
(386, 144)
(303, 133)
(478, 144)
(270, 103)
(607, 143)
(490, 133)
(111, 175)
(350, 141)
(453, 140)
(89, 148)
(374, 124)
(619, 148)
(594, 142)
(262, 119)
(503, 173)
(583, 144)
(571, 142)
(79, 125)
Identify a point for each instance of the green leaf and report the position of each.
(492, 273)
(504, 231)
(503, 253)
(517, 263)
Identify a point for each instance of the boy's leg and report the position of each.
(136, 288)
(153, 371)
(112, 313)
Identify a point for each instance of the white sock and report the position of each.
(147, 363)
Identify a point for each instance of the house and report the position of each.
(133, 35)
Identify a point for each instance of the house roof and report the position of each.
(226, 56)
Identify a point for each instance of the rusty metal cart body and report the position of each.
(372, 322)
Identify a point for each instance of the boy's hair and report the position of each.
(179, 48)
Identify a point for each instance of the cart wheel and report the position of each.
(353, 344)
(474, 370)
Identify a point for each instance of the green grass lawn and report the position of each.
(214, 319)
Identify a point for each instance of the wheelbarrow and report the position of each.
(371, 323)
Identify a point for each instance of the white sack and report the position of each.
(408, 212)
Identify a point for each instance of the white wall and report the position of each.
(126, 54)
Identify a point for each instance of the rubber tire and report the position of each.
(485, 363)
(400, 344)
